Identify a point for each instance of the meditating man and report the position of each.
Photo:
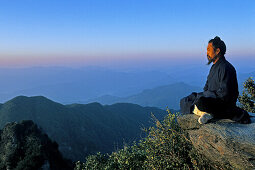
(218, 100)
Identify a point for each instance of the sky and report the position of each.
(108, 32)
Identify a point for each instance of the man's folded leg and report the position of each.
(204, 117)
(213, 106)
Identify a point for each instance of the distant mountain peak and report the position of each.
(21, 97)
(94, 104)
(31, 98)
(160, 96)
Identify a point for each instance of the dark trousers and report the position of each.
(214, 106)
(222, 110)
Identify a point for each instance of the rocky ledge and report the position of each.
(223, 142)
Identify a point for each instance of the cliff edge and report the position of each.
(223, 142)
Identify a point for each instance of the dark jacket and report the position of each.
(222, 82)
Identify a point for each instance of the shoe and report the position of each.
(205, 118)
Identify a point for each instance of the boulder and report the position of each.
(223, 142)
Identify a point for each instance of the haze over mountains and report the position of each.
(162, 96)
(80, 85)
(68, 85)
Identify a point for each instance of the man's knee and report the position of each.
(205, 104)
(210, 105)
(186, 103)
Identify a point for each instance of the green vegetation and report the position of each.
(166, 147)
(24, 146)
(247, 99)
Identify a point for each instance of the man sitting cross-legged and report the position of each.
(218, 100)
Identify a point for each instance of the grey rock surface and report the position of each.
(223, 142)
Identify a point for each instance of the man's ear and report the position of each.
(217, 51)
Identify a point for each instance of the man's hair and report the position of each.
(218, 43)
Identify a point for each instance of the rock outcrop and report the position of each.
(24, 146)
(223, 142)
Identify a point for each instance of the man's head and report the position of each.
(216, 48)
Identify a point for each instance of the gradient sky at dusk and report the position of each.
(83, 32)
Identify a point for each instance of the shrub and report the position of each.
(166, 147)
(130, 157)
(247, 99)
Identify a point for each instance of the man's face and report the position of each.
(212, 55)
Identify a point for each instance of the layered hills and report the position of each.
(82, 129)
(162, 96)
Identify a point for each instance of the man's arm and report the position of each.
(227, 84)
(207, 93)
(206, 86)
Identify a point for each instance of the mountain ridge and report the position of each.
(81, 129)
(161, 96)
